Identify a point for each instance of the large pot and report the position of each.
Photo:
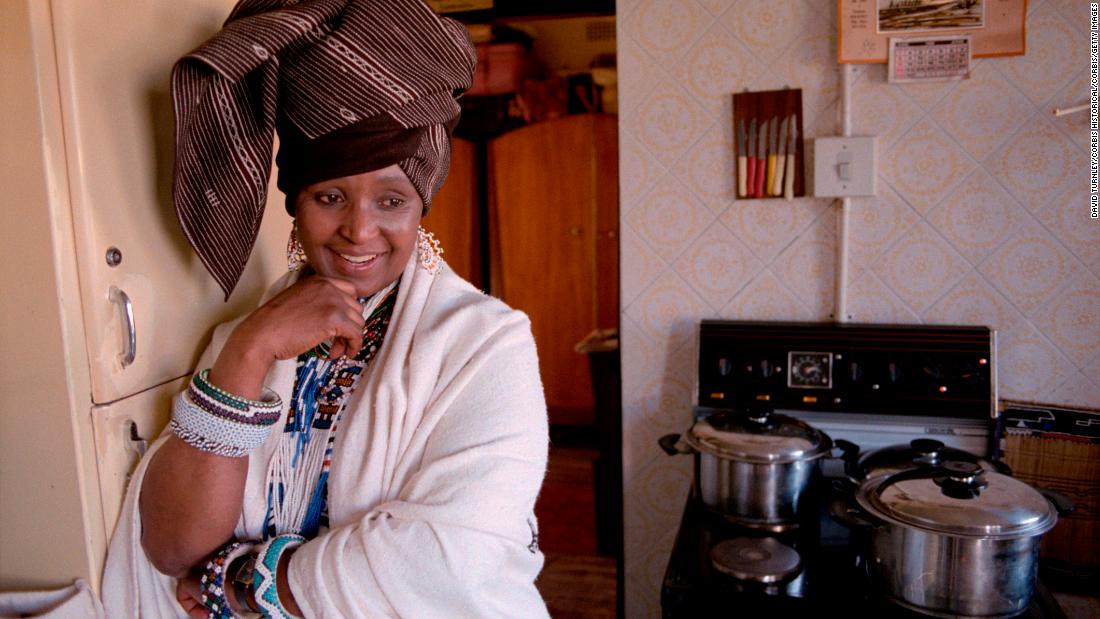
(754, 467)
(954, 540)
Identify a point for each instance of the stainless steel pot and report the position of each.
(955, 540)
(754, 468)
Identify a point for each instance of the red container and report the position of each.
(500, 67)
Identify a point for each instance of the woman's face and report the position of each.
(360, 228)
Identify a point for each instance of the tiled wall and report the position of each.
(981, 217)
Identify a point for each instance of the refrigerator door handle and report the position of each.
(123, 301)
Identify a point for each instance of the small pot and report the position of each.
(755, 467)
(954, 540)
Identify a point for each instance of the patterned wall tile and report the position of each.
(635, 162)
(810, 64)
(669, 308)
(667, 28)
(877, 223)
(921, 267)
(716, 66)
(1068, 218)
(1055, 52)
(977, 217)
(982, 111)
(974, 302)
(1038, 163)
(869, 300)
(668, 122)
(924, 94)
(924, 165)
(660, 409)
(808, 266)
(717, 265)
(1076, 125)
(637, 74)
(765, 298)
(1076, 12)
(1030, 366)
(716, 7)
(708, 168)
(1080, 389)
(768, 226)
(767, 27)
(645, 266)
(1071, 319)
(669, 217)
(883, 110)
(1029, 268)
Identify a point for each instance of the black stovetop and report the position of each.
(832, 583)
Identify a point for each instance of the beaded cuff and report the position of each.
(212, 583)
(221, 423)
(266, 571)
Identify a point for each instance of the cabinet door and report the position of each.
(113, 63)
(544, 205)
(123, 430)
(454, 216)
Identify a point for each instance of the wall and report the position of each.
(981, 217)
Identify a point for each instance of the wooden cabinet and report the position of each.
(454, 219)
(553, 219)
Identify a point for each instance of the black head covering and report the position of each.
(350, 85)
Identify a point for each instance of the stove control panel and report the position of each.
(883, 369)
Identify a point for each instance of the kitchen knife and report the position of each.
(792, 144)
(761, 161)
(780, 160)
(751, 160)
(742, 158)
(772, 150)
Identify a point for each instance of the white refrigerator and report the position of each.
(105, 307)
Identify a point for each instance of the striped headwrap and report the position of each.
(350, 85)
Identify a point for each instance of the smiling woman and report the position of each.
(370, 440)
(360, 228)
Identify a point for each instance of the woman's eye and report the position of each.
(328, 197)
(392, 202)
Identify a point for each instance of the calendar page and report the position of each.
(929, 59)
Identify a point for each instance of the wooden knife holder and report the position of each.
(773, 106)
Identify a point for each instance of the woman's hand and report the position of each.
(189, 595)
(315, 309)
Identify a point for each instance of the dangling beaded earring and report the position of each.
(295, 254)
(429, 251)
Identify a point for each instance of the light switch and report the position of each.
(844, 167)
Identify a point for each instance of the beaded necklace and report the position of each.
(297, 478)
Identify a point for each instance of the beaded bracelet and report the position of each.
(221, 423)
(212, 583)
(266, 571)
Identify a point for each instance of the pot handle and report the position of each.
(673, 446)
(1061, 502)
(849, 454)
(851, 517)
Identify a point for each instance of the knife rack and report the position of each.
(766, 112)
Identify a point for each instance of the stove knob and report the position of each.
(895, 372)
(766, 368)
(724, 367)
(855, 371)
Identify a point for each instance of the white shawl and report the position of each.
(436, 467)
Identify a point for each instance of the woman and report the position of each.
(371, 439)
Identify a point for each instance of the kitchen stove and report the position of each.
(872, 385)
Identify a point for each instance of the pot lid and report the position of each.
(959, 498)
(921, 452)
(758, 436)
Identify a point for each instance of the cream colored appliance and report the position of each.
(105, 308)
